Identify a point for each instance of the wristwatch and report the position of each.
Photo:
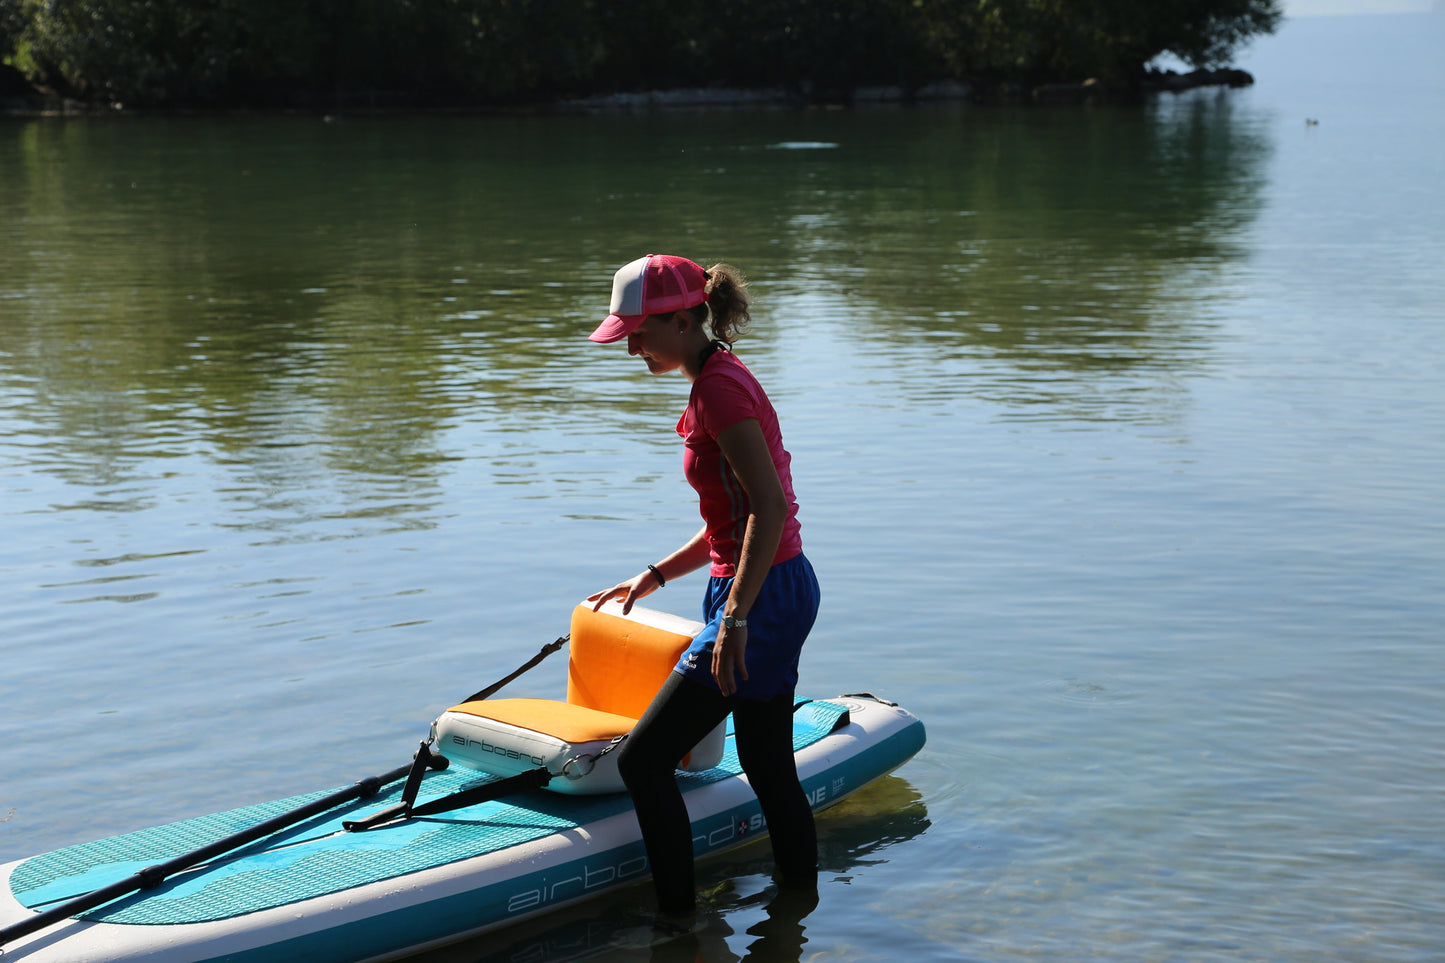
(731, 623)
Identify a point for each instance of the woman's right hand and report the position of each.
(641, 585)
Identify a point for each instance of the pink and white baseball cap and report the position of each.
(655, 284)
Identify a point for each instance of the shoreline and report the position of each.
(961, 92)
(36, 102)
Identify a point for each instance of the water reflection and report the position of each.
(304, 301)
(779, 937)
(743, 915)
(1056, 265)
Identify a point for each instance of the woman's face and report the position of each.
(658, 341)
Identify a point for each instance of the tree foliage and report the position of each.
(323, 52)
(13, 19)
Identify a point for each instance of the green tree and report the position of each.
(1112, 40)
(1115, 40)
(13, 18)
(324, 52)
(831, 47)
(511, 50)
(135, 51)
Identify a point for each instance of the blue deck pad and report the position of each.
(318, 857)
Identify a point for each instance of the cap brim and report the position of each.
(616, 327)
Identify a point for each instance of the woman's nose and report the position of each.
(634, 344)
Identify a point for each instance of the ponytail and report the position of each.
(727, 300)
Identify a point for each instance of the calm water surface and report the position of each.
(1118, 435)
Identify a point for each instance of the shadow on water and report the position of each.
(744, 915)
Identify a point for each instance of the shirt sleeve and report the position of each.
(723, 401)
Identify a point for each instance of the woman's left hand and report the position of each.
(728, 664)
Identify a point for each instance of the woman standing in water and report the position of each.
(762, 595)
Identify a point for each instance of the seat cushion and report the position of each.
(561, 720)
(509, 736)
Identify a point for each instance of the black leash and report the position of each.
(425, 759)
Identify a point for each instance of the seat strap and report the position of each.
(521, 782)
(532, 663)
(425, 759)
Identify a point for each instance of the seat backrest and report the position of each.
(618, 662)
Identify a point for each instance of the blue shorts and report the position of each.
(778, 624)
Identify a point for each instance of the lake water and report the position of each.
(1119, 436)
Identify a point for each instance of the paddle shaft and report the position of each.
(154, 875)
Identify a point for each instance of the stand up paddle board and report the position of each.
(315, 892)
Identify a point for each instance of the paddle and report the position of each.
(153, 876)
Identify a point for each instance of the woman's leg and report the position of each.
(764, 734)
(679, 716)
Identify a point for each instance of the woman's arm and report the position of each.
(692, 556)
(747, 453)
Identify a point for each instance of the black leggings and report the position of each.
(682, 713)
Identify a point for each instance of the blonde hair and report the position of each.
(727, 303)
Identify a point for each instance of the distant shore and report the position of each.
(1167, 81)
(19, 98)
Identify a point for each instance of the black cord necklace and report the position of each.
(713, 347)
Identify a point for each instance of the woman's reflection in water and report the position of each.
(780, 935)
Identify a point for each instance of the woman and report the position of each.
(762, 596)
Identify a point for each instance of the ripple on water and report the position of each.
(1096, 693)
